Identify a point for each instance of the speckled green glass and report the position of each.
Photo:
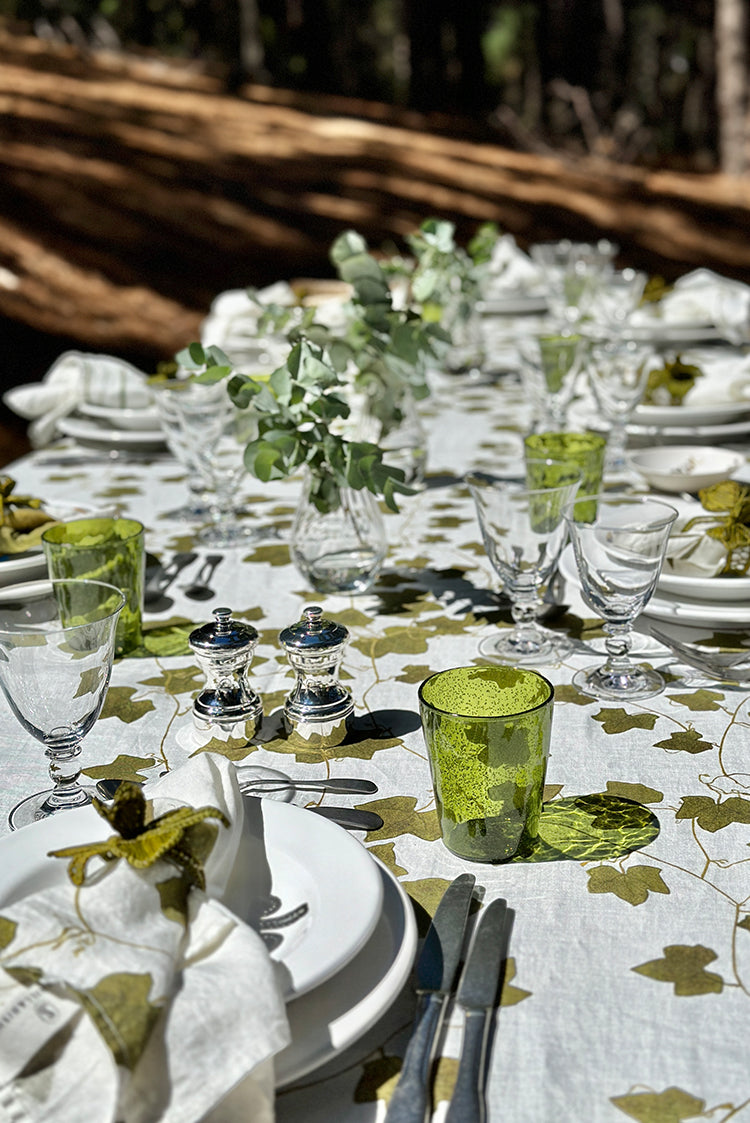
(487, 731)
(110, 550)
(582, 450)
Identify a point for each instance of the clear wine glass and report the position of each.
(618, 373)
(552, 363)
(524, 531)
(573, 271)
(189, 413)
(619, 555)
(617, 296)
(56, 650)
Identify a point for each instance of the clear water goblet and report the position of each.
(189, 414)
(524, 531)
(619, 556)
(573, 271)
(617, 296)
(551, 365)
(56, 650)
(618, 373)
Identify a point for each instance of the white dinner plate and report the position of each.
(707, 589)
(660, 332)
(312, 862)
(672, 417)
(665, 606)
(117, 418)
(335, 1015)
(96, 434)
(514, 304)
(31, 564)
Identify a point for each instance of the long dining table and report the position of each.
(626, 991)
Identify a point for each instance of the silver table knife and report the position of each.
(436, 972)
(477, 994)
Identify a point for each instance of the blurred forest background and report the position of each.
(155, 152)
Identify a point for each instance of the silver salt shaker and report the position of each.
(315, 712)
(227, 705)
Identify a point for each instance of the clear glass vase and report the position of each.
(342, 550)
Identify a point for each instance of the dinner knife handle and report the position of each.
(468, 1100)
(411, 1097)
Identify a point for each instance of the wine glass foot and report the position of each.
(40, 806)
(547, 647)
(635, 681)
(224, 538)
(247, 773)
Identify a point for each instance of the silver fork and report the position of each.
(729, 666)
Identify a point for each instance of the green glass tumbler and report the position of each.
(585, 451)
(487, 731)
(110, 550)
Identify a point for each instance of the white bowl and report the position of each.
(685, 467)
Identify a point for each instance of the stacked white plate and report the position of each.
(127, 430)
(342, 961)
(30, 565)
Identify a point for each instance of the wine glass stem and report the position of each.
(617, 643)
(616, 445)
(64, 771)
(524, 609)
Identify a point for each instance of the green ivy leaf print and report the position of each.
(173, 899)
(177, 680)
(119, 704)
(396, 639)
(744, 923)
(567, 692)
(414, 673)
(712, 815)
(123, 767)
(88, 682)
(699, 699)
(387, 854)
(639, 793)
(620, 721)
(670, 1106)
(512, 995)
(632, 885)
(401, 817)
(275, 555)
(119, 1007)
(379, 1078)
(234, 748)
(7, 931)
(684, 741)
(685, 967)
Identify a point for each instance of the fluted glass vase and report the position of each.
(340, 550)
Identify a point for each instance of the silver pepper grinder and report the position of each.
(227, 705)
(315, 712)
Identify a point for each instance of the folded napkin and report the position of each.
(724, 378)
(138, 996)
(692, 553)
(74, 378)
(233, 325)
(510, 269)
(702, 298)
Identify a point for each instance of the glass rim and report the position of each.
(518, 486)
(607, 497)
(589, 441)
(486, 717)
(44, 588)
(137, 529)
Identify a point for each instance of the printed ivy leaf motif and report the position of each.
(401, 817)
(510, 995)
(744, 923)
(639, 793)
(699, 699)
(414, 673)
(177, 680)
(684, 741)
(444, 1082)
(353, 618)
(396, 639)
(119, 704)
(567, 692)
(119, 1007)
(387, 855)
(620, 721)
(234, 748)
(274, 555)
(164, 639)
(632, 885)
(123, 767)
(7, 931)
(88, 682)
(549, 791)
(713, 815)
(589, 828)
(670, 1106)
(426, 895)
(685, 968)
(379, 1078)
(173, 899)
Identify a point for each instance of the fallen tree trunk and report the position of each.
(132, 192)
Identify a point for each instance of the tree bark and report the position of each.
(731, 28)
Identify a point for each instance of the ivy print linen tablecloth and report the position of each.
(627, 992)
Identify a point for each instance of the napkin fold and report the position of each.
(136, 998)
(724, 378)
(73, 378)
(510, 270)
(692, 553)
(701, 298)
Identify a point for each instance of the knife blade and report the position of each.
(477, 994)
(350, 817)
(437, 968)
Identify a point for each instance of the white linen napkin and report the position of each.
(73, 378)
(510, 270)
(692, 553)
(232, 325)
(119, 1003)
(725, 378)
(701, 298)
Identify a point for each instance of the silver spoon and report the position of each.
(199, 588)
